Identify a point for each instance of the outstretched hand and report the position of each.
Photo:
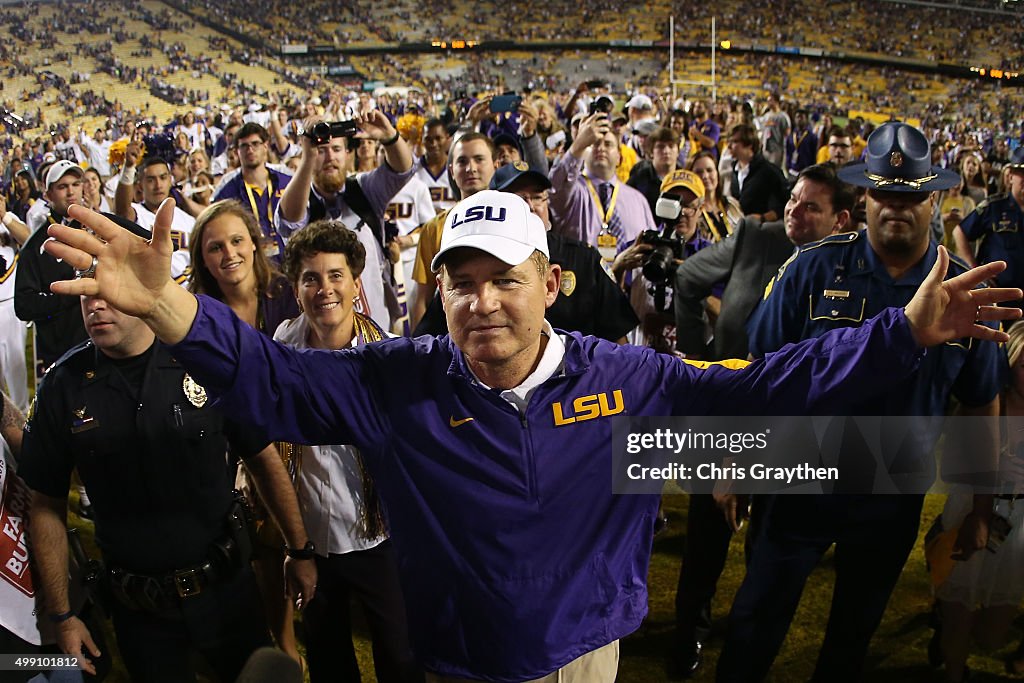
(943, 310)
(131, 274)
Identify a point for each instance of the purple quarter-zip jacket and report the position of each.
(514, 555)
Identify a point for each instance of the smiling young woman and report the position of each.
(229, 265)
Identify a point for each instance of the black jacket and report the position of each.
(764, 190)
(152, 459)
(58, 319)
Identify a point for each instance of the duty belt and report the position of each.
(161, 592)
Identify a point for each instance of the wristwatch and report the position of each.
(306, 552)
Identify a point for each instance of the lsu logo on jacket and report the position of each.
(588, 408)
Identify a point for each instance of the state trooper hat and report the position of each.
(898, 159)
(499, 223)
(1017, 159)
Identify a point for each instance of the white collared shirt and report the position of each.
(550, 363)
(330, 482)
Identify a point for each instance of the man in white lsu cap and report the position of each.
(492, 274)
(517, 562)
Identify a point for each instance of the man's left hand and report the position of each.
(942, 310)
(374, 124)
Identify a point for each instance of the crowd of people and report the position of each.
(525, 261)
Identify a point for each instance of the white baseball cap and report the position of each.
(499, 223)
(60, 169)
(640, 102)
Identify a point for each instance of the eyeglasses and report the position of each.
(246, 146)
(537, 198)
(689, 211)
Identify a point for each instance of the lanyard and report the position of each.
(711, 220)
(607, 217)
(797, 143)
(255, 209)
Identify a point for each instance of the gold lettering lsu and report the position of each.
(589, 407)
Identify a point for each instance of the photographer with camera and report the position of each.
(658, 253)
(319, 190)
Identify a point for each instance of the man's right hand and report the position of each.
(73, 638)
(132, 274)
(592, 129)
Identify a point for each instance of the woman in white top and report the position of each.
(341, 510)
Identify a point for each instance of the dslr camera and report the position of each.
(659, 267)
(322, 132)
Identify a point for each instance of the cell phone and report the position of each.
(596, 83)
(505, 103)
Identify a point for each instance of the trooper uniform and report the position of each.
(152, 452)
(835, 283)
(999, 223)
(841, 282)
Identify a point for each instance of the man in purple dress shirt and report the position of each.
(588, 201)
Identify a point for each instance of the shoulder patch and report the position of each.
(832, 240)
(991, 199)
(956, 260)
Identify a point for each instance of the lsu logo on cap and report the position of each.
(520, 165)
(480, 213)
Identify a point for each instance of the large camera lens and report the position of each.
(659, 264)
(322, 133)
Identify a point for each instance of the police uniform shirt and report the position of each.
(999, 223)
(149, 448)
(841, 282)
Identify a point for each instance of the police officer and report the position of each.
(999, 223)
(174, 540)
(839, 282)
(588, 301)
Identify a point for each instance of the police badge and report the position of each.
(568, 284)
(195, 394)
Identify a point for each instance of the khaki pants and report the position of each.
(597, 666)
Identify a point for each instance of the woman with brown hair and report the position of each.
(720, 213)
(228, 265)
(975, 178)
